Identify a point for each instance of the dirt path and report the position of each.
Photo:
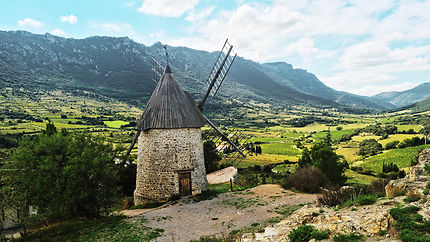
(186, 220)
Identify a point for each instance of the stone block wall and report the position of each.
(161, 153)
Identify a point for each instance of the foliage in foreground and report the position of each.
(351, 237)
(62, 175)
(411, 225)
(307, 232)
(102, 229)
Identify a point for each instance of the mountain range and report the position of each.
(121, 68)
(405, 98)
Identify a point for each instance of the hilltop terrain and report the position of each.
(121, 68)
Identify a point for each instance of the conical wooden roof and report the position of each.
(169, 107)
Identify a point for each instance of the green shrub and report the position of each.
(322, 156)
(63, 175)
(410, 235)
(369, 147)
(411, 224)
(366, 199)
(392, 145)
(413, 198)
(211, 156)
(351, 237)
(304, 233)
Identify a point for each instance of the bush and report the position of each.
(306, 179)
(211, 156)
(378, 187)
(304, 233)
(369, 147)
(345, 137)
(415, 141)
(63, 175)
(366, 199)
(331, 198)
(392, 145)
(351, 237)
(412, 198)
(389, 167)
(322, 156)
(410, 223)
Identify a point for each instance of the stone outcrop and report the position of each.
(368, 220)
(413, 184)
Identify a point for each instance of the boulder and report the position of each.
(414, 183)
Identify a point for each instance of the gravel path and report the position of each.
(222, 176)
(186, 220)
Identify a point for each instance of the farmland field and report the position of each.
(400, 157)
(115, 124)
(280, 149)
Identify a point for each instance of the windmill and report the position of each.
(170, 150)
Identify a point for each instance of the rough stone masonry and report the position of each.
(162, 153)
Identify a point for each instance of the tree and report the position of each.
(426, 132)
(369, 147)
(258, 149)
(63, 175)
(327, 138)
(392, 145)
(323, 157)
(211, 156)
(305, 159)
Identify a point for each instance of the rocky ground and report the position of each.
(372, 221)
(187, 220)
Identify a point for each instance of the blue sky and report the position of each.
(363, 47)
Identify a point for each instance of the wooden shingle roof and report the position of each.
(169, 107)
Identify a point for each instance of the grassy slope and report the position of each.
(400, 157)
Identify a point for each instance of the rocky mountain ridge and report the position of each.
(121, 68)
(407, 97)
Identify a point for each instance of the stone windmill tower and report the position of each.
(170, 148)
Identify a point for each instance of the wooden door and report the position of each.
(185, 183)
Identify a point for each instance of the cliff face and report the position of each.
(121, 68)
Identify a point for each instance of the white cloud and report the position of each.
(355, 43)
(369, 67)
(197, 16)
(167, 8)
(117, 29)
(30, 22)
(58, 32)
(370, 90)
(128, 4)
(72, 19)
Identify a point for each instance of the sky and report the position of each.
(362, 47)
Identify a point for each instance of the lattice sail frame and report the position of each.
(157, 71)
(233, 155)
(221, 67)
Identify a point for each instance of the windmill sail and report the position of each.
(219, 71)
(230, 143)
(157, 71)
